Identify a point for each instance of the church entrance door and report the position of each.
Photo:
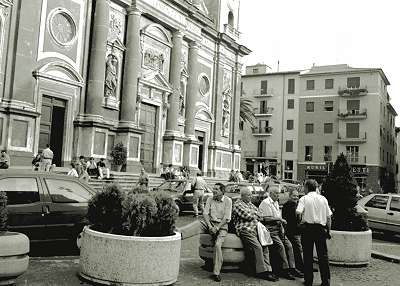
(148, 123)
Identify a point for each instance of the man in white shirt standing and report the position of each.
(217, 214)
(47, 158)
(316, 219)
(272, 219)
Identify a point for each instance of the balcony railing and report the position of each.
(263, 154)
(361, 139)
(353, 114)
(231, 32)
(353, 91)
(262, 131)
(262, 92)
(263, 111)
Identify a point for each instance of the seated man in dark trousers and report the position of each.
(272, 217)
(316, 219)
(245, 216)
(217, 215)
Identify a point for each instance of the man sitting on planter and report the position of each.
(245, 216)
(217, 214)
(272, 217)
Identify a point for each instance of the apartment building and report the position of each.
(271, 144)
(346, 110)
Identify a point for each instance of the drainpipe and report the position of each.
(283, 121)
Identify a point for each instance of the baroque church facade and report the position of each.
(160, 76)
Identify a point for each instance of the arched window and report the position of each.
(231, 19)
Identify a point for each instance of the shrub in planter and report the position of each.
(139, 237)
(340, 189)
(105, 210)
(14, 248)
(119, 154)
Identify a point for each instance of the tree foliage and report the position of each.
(340, 188)
(246, 111)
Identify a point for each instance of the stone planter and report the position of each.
(129, 260)
(14, 259)
(351, 248)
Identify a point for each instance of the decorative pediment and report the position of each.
(117, 44)
(184, 72)
(203, 113)
(199, 4)
(59, 71)
(157, 80)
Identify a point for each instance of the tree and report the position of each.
(246, 111)
(340, 188)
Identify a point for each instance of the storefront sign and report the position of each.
(360, 170)
(316, 167)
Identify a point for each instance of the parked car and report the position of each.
(383, 211)
(232, 190)
(181, 191)
(45, 206)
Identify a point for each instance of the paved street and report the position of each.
(62, 269)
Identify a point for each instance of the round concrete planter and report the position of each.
(129, 260)
(232, 248)
(351, 248)
(14, 259)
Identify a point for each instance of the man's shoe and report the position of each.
(287, 275)
(296, 273)
(267, 275)
(217, 278)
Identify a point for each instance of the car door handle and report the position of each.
(45, 210)
(390, 213)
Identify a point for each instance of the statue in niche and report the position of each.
(111, 81)
(225, 116)
(154, 60)
(182, 93)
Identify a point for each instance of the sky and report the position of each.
(300, 33)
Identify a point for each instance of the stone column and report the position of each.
(97, 66)
(192, 89)
(175, 79)
(133, 59)
(235, 118)
(190, 111)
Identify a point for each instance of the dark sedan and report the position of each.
(45, 206)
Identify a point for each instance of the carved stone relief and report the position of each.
(154, 60)
(226, 102)
(111, 80)
(116, 24)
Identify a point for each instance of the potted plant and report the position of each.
(351, 238)
(131, 239)
(14, 248)
(118, 154)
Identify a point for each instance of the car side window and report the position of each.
(20, 190)
(395, 204)
(378, 202)
(67, 191)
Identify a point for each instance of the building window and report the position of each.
(327, 153)
(310, 106)
(255, 70)
(328, 105)
(352, 130)
(291, 85)
(290, 103)
(264, 126)
(352, 154)
(353, 82)
(310, 84)
(240, 143)
(289, 124)
(328, 128)
(288, 174)
(263, 107)
(308, 153)
(262, 147)
(329, 83)
(289, 145)
(309, 128)
(264, 87)
(353, 106)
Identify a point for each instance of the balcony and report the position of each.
(231, 32)
(263, 111)
(353, 91)
(356, 159)
(327, 157)
(260, 155)
(261, 93)
(361, 139)
(264, 131)
(353, 114)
